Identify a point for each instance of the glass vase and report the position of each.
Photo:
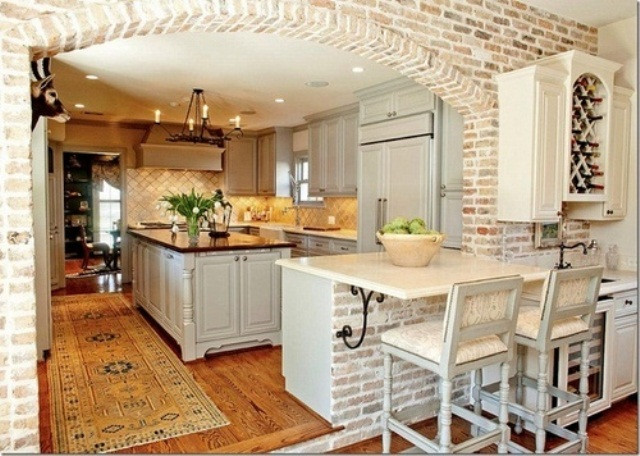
(193, 230)
(219, 222)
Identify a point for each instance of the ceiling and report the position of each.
(238, 71)
(592, 12)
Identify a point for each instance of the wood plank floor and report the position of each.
(614, 431)
(246, 386)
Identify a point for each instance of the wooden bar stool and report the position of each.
(569, 301)
(476, 331)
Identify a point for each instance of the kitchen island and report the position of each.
(326, 295)
(217, 295)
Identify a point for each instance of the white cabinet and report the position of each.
(237, 300)
(531, 144)
(624, 370)
(392, 183)
(333, 147)
(398, 98)
(275, 155)
(241, 161)
(308, 245)
(615, 207)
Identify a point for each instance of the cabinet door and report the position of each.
(316, 158)
(155, 276)
(217, 297)
(451, 159)
(138, 270)
(349, 159)
(241, 166)
(369, 196)
(412, 100)
(173, 290)
(549, 150)
(618, 162)
(332, 155)
(624, 374)
(406, 184)
(376, 109)
(260, 293)
(267, 164)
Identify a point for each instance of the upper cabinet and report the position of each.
(390, 100)
(275, 155)
(241, 160)
(333, 149)
(560, 121)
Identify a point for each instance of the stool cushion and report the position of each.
(426, 339)
(529, 324)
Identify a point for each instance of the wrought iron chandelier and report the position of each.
(196, 127)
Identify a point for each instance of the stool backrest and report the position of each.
(481, 309)
(568, 293)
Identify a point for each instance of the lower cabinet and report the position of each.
(624, 372)
(237, 300)
(307, 245)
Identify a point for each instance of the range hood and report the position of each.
(202, 157)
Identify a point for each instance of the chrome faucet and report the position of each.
(566, 265)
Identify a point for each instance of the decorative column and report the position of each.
(188, 324)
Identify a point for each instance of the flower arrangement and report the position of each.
(192, 206)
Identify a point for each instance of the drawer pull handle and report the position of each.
(628, 302)
(318, 245)
(344, 248)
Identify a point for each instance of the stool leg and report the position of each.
(444, 416)
(519, 390)
(504, 410)
(386, 403)
(477, 403)
(584, 394)
(541, 413)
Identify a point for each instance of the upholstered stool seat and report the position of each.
(569, 299)
(477, 331)
(425, 340)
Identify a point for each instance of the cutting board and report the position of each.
(322, 228)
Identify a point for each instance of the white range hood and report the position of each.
(202, 157)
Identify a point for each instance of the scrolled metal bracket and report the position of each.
(346, 330)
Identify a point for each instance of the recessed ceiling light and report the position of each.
(357, 69)
(279, 100)
(79, 105)
(316, 84)
(93, 77)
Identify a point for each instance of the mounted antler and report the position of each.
(44, 97)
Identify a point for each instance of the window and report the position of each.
(302, 176)
(109, 212)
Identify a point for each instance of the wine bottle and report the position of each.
(594, 118)
(589, 185)
(587, 143)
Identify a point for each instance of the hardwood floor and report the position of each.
(246, 386)
(614, 431)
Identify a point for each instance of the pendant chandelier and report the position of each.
(196, 128)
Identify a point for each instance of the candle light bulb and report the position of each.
(205, 112)
(157, 116)
(237, 121)
(191, 123)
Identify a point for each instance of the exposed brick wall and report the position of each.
(454, 47)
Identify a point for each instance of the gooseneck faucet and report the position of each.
(566, 265)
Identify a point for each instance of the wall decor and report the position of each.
(548, 235)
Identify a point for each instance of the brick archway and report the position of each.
(452, 47)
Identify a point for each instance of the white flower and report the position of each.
(217, 205)
(196, 210)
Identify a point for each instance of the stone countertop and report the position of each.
(623, 281)
(180, 242)
(374, 271)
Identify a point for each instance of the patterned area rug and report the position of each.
(114, 383)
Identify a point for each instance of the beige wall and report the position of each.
(618, 42)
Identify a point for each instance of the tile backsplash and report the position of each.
(146, 186)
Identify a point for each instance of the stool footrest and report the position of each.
(476, 443)
(552, 390)
(412, 436)
(517, 448)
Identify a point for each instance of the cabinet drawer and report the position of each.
(297, 253)
(319, 246)
(626, 304)
(239, 229)
(343, 247)
(253, 231)
(298, 239)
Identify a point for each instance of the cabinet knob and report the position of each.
(394, 113)
(244, 258)
(443, 194)
(389, 114)
(236, 258)
(169, 256)
(609, 212)
(628, 302)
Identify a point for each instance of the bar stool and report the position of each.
(569, 300)
(476, 331)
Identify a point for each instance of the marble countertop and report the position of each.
(374, 271)
(623, 281)
(180, 242)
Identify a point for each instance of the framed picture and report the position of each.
(547, 235)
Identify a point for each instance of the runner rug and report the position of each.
(114, 383)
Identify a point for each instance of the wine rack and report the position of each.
(586, 152)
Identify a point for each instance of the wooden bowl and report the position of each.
(411, 250)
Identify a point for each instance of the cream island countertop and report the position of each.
(374, 271)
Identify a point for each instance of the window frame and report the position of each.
(299, 158)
